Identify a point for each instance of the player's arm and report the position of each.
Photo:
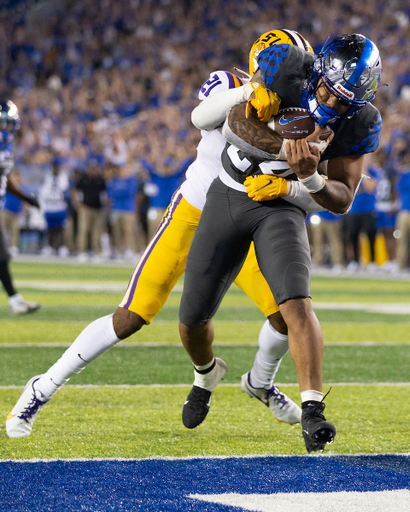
(258, 139)
(250, 135)
(215, 104)
(14, 188)
(344, 174)
(211, 112)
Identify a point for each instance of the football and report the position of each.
(292, 123)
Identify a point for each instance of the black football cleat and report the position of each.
(196, 407)
(197, 404)
(317, 432)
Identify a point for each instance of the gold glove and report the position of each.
(265, 187)
(266, 103)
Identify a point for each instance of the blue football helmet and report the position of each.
(9, 120)
(350, 68)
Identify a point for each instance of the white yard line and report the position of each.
(193, 457)
(126, 344)
(279, 384)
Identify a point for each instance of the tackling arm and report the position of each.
(212, 110)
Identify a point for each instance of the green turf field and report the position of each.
(128, 403)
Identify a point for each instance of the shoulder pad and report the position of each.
(219, 81)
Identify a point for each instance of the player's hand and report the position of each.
(303, 155)
(265, 187)
(33, 201)
(264, 101)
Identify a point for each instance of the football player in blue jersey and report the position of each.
(336, 88)
(9, 124)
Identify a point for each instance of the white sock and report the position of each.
(272, 347)
(311, 394)
(206, 380)
(205, 366)
(91, 343)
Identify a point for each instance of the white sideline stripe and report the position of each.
(119, 286)
(201, 457)
(378, 501)
(222, 384)
(393, 308)
(126, 344)
(87, 286)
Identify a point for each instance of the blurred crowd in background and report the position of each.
(105, 89)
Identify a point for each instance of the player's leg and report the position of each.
(216, 255)
(273, 345)
(153, 279)
(18, 305)
(286, 267)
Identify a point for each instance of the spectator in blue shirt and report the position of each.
(122, 192)
(163, 181)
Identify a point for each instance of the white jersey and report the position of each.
(207, 165)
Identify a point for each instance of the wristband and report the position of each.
(314, 183)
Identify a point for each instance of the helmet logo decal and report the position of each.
(344, 91)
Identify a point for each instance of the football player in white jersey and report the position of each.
(9, 124)
(163, 263)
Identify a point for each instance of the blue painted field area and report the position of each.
(202, 484)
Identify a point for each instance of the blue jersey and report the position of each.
(163, 187)
(122, 192)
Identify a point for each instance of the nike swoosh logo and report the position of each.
(10, 416)
(283, 121)
(267, 185)
(187, 402)
(79, 355)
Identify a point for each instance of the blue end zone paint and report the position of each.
(163, 485)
